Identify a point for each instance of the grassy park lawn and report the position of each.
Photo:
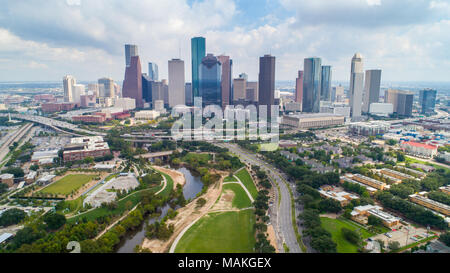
(223, 232)
(247, 180)
(334, 226)
(229, 179)
(413, 160)
(68, 184)
(240, 199)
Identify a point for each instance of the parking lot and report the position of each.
(405, 235)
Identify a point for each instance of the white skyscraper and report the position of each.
(356, 86)
(106, 87)
(68, 83)
(78, 91)
(176, 83)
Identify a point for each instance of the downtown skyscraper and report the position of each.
(130, 51)
(68, 83)
(267, 82)
(227, 74)
(427, 101)
(153, 71)
(210, 81)
(356, 86)
(299, 87)
(325, 85)
(312, 80)
(371, 89)
(198, 52)
(176, 83)
(132, 84)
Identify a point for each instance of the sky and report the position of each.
(43, 40)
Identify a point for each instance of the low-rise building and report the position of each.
(7, 179)
(57, 107)
(361, 213)
(368, 181)
(340, 196)
(423, 167)
(370, 189)
(445, 189)
(146, 115)
(372, 128)
(30, 177)
(411, 171)
(45, 179)
(82, 147)
(44, 157)
(396, 174)
(431, 204)
(419, 149)
(90, 118)
(309, 121)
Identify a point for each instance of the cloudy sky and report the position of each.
(46, 39)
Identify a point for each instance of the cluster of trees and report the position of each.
(3, 188)
(152, 179)
(246, 144)
(159, 230)
(414, 212)
(320, 238)
(17, 172)
(440, 197)
(445, 238)
(261, 205)
(310, 198)
(165, 145)
(308, 136)
(351, 235)
(12, 217)
(23, 154)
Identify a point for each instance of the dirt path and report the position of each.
(177, 177)
(186, 217)
(271, 237)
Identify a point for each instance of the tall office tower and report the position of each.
(153, 71)
(93, 87)
(252, 91)
(371, 88)
(68, 83)
(188, 93)
(239, 88)
(266, 82)
(211, 80)
(78, 91)
(132, 84)
(401, 100)
(356, 86)
(227, 74)
(427, 101)
(146, 88)
(325, 87)
(108, 87)
(338, 93)
(130, 51)
(198, 52)
(176, 83)
(312, 76)
(117, 90)
(299, 87)
(165, 90)
(157, 91)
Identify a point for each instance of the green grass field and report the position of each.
(223, 232)
(413, 160)
(247, 180)
(334, 226)
(68, 184)
(240, 199)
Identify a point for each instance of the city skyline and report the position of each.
(413, 47)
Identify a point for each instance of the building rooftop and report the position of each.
(429, 201)
(6, 176)
(420, 145)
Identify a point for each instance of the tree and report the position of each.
(394, 245)
(329, 205)
(351, 235)
(374, 221)
(12, 217)
(3, 188)
(445, 238)
(54, 220)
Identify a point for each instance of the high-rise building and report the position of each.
(68, 83)
(251, 93)
(188, 93)
(312, 78)
(93, 87)
(153, 71)
(211, 80)
(401, 100)
(299, 88)
(157, 91)
(130, 51)
(427, 100)
(337, 95)
(371, 88)
(78, 91)
(227, 74)
(325, 87)
(132, 84)
(356, 86)
(146, 88)
(106, 87)
(198, 52)
(176, 83)
(239, 89)
(266, 82)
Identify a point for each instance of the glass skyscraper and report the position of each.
(311, 85)
(210, 80)
(325, 89)
(153, 71)
(198, 52)
(427, 100)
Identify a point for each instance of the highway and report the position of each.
(283, 227)
(15, 137)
